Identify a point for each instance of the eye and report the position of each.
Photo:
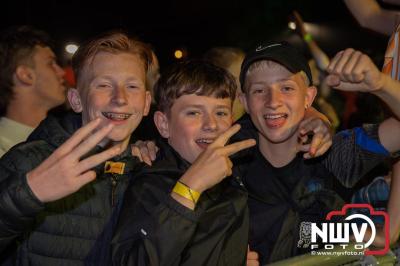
(192, 113)
(103, 85)
(132, 86)
(287, 89)
(222, 113)
(257, 91)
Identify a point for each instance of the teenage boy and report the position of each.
(157, 224)
(284, 189)
(31, 83)
(51, 207)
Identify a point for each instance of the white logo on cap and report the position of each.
(260, 48)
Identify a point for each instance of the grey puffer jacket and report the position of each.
(61, 232)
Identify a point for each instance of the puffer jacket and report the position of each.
(154, 229)
(64, 231)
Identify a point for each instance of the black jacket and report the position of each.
(60, 232)
(154, 229)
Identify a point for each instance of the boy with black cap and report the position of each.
(285, 189)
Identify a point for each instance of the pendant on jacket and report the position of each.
(114, 167)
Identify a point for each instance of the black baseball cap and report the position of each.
(280, 52)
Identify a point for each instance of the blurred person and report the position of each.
(31, 83)
(56, 193)
(318, 66)
(230, 59)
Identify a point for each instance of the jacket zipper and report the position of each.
(114, 183)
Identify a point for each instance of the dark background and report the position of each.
(196, 25)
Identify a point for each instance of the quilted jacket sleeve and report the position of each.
(18, 205)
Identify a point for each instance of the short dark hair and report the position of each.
(17, 45)
(112, 42)
(193, 77)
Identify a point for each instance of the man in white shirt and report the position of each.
(31, 83)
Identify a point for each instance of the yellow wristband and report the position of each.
(186, 192)
(307, 37)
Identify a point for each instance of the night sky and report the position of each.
(195, 25)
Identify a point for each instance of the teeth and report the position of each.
(274, 116)
(207, 141)
(116, 116)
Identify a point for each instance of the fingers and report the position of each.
(349, 66)
(252, 258)
(85, 179)
(332, 65)
(252, 263)
(69, 145)
(146, 151)
(224, 137)
(323, 147)
(321, 138)
(332, 80)
(91, 142)
(252, 255)
(136, 152)
(78, 137)
(238, 146)
(97, 159)
(342, 60)
(153, 149)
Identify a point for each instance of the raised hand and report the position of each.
(351, 70)
(213, 164)
(63, 173)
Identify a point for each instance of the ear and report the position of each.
(147, 103)
(311, 92)
(243, 101)
(25, 74)
(75, 100)
(161, 121)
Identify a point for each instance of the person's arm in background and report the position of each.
(393, 211)
(370, 15)
(322, 61)
(319, 56)
(351, 70)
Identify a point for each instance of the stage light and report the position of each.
(178, 54)
(71, 48)
(292, 25)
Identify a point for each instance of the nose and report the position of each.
(209, 123)
(119, 95)
(273, 99)
(60, 71)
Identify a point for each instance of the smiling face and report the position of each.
(276, 100)
(194, 122)
(114, 90)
